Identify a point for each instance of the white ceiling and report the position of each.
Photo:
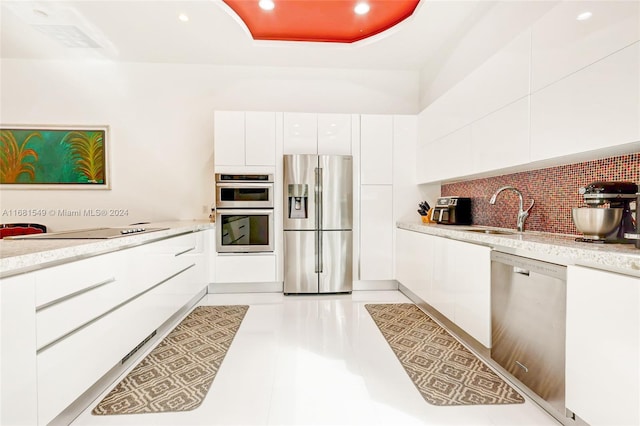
(149, 31)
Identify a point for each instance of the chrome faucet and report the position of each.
(522, 214)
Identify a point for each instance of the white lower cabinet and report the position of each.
(18, 390)
(75, 293)
(245, 268)
(82, 358)
(470, 267)
(452, 276)
(414, 264)
(72, 323)
(603, 347)
(443, 285)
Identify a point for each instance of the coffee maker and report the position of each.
(613, 195)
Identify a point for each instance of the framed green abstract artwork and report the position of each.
(42, 157)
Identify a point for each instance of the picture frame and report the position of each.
(54, 157)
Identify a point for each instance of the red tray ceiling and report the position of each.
(320, 20)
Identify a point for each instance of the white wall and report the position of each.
(160, 118)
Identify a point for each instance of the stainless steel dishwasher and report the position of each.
(528, 317)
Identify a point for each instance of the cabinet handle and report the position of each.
(104, 314)
(184, 251)
(74, 294)
(520, 271)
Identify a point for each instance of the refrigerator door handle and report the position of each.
(319, 200)
(320, 262)
(318, 197)
(316, 244)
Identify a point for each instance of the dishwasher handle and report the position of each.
(526, 266)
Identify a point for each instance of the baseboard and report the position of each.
(470, 342)
(268, 287)
(278, 287)
(369, 285)
(108, 379)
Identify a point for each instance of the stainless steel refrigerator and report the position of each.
(318, 224)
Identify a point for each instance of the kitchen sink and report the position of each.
(492, 231)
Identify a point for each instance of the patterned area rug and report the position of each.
(443, 370)
(177, 374)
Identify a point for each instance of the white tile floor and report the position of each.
(317, 360)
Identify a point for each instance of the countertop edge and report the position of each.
(554, 248)
(19, 258)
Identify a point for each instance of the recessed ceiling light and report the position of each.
(362, 8)
(584, 16)
(183, 17)
(266, 4)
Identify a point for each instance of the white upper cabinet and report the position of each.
(324, 134)
(561, 44)
(581, 80)
(260, 138)
(245, 138)
(300, 133)
(376, 149)
(502, 79)
(334, 134)
(596, 107)
(229, 138)
(446, 158)
(406, 193)
(501, 139)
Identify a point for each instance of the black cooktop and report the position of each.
(88, 234)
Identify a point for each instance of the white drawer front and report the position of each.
(57, 320)
(62, 281)
(70, 367)
(245, 268)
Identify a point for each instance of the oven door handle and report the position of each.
(244, 185)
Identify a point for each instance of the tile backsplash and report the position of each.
(554, 189)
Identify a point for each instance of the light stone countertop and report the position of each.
(20, 256)
(555, 248)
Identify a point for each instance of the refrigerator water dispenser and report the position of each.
(298, 196)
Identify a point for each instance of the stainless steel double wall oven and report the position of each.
(244, 213)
